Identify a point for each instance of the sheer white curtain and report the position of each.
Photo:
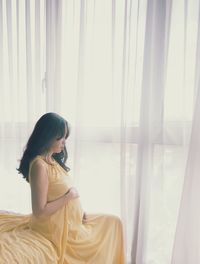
(123, 75)
(187, 238)
(22, 93)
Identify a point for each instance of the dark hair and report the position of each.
(47, 128)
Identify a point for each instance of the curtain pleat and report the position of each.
(80, 91)
(151, 121)
(9, 20)
(187, 235)
(123, 106)
(197, 64)
(1, 59)
(38, 54)
(53, 56)
(29, 62)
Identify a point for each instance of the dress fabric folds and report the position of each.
(61, 238)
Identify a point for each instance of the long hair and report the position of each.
(49, 127)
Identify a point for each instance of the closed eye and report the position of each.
(65, 137)
(59, 138)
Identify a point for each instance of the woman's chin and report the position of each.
(58, 151)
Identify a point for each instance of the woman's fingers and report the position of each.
(84, 220)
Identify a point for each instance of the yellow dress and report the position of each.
(61, 238)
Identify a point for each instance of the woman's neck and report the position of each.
(48, 156)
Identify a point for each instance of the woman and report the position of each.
(58, 230)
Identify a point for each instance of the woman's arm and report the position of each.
(39, 189)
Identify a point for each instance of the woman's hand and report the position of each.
(72, 194)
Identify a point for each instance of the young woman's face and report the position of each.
(59, 143)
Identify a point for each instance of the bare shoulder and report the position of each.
(38, 169)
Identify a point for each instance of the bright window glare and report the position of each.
(93, 71)
(23, 61)
(179, 91)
